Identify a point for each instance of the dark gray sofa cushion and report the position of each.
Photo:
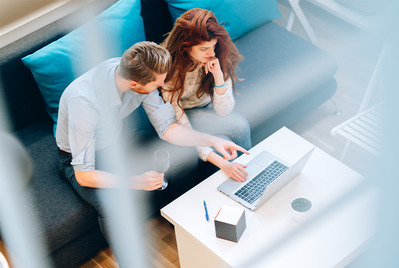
(79, 250)
(61, 213)
(280, 68)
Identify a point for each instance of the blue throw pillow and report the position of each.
(108, 35)
(238, 17)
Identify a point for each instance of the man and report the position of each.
(91, 113)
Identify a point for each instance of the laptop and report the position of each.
(267, 174)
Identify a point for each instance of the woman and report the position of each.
(201, 83)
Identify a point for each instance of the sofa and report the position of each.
(284, 78)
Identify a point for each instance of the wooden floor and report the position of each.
(339, 40)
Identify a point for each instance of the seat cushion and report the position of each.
(278, 69)
(61, 214)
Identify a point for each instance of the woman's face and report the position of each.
(203, 52)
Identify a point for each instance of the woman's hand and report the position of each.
(148, 181)
(213, 66)
(235, 170)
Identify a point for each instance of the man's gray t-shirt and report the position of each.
(91, 112)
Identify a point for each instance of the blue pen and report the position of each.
(206, 212)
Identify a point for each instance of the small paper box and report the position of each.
(230, 223)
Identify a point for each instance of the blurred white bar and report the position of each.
(19, 231)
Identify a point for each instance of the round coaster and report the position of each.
(300, 208)
(301, 204)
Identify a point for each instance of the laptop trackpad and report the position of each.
(253, 169)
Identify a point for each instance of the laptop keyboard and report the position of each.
(251, 191)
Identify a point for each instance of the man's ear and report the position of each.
(133, 84)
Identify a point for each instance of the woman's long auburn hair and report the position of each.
(192, 28)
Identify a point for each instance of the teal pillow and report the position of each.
(107, 35)
(238, 17)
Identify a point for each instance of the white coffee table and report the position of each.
(273, 238)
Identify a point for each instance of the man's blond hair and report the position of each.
(142, 61)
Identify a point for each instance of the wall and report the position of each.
(22, 17)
